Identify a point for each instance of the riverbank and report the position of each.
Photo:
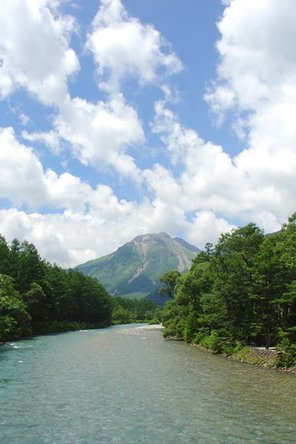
(262, 357)
(54, 327)
(151, 327)
(64, 327)
(259, 356)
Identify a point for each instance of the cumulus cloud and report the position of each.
(91, 236)
(243, 187)
(206, 225)
(71, 238)
(101, 133)
(21, 176)
(34, 50)
(197, 187)
(99, 221)
(24, 181)
(50, 139)
(257, 53)
(49, 233)
(207, 175)
(97, 134)
(123, 47)
(256, 79)
(257, 70)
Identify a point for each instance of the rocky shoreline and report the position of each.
(259, 356)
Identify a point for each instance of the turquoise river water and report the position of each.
(127, 385)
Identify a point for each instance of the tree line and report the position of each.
(37, 297)
(240, 291)
(127, 310)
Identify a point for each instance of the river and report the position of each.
(127, 385)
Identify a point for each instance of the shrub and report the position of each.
(286, 353)
(200, 335)
(212, 342)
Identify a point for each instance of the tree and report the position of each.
(14, 317)
(31, 267)
(35, 300)
(243, 289)
(4, 255)
(48, 296)
(286, 249)
(269, 282)
(169, 279)
(232, 265)
(181, 316)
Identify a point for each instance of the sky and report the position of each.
(125, 117)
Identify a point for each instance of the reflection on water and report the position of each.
(129, 385)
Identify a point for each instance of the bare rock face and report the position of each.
(135, 268)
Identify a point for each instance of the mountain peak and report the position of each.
(135, 268)
(150, 237)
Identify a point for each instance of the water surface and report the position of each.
(127, 385)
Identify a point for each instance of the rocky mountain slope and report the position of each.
(135, 268)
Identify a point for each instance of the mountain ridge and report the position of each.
(134, 269)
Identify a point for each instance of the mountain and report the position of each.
(135, 268)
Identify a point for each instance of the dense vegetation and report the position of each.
(127, 310)
(37, 297)
(241, 291)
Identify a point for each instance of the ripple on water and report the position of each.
(128, 385)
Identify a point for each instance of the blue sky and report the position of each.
(119, 118)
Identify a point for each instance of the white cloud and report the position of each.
(99, 222)
(257, 52)
(199, 188)
(258, 181)
(21, 173)
(34, 50)
(207, 227)
(163, 184)
(49, 233)
(72, 238)
(100, 134)
(207, 175)
(24, 119)
(50, 139)
(257, 80)
(24, 181)
(123, 47)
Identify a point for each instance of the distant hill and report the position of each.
(135, 268)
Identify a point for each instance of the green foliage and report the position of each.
(169, 279)
(14, 317)
(174, 321)
(212, 342)
(286, 353)
(232, 265)
(190, 327)
(243, 290)
(36, 296)
(127, 310)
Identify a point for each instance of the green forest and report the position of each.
(128, 310)
(240, 291)
(38, 297)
